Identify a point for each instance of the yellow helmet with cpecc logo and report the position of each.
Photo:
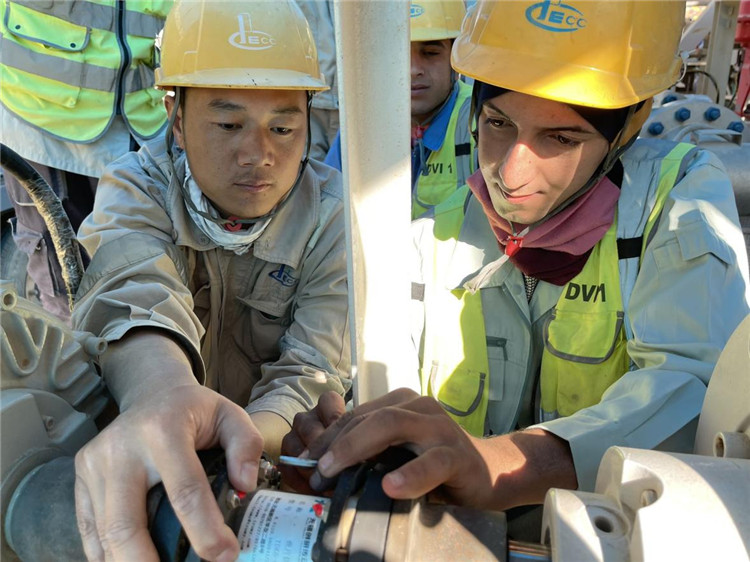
(606, 54)
(434, 20)
(264, 44)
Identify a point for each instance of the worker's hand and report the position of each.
(446, 455)
(156, 440)
(495, 473)
(306, 428)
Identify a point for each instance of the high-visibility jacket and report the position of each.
(69, 67)
(585, 340)
(447, 168)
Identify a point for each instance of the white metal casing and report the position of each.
(653, 505)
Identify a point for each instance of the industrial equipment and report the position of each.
(646, 505)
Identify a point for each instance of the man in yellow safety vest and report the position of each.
(577, 293)
(442, 155)
(77, 93)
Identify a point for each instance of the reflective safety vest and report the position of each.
(448, 168)
(585, 342)
(68, 67)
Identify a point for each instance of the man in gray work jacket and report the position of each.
(220, 261)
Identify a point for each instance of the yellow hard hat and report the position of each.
(238, 44)
(607, 54)
(433, 20)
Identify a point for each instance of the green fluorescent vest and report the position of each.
(69, 67)
(454, 365)
(585, 343)
(447, 169)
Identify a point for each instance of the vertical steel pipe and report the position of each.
(373, 62)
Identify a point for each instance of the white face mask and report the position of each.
(238, 242)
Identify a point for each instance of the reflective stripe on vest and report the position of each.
(70, 54)
(455, 365)
(448, 168)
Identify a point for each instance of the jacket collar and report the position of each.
(475, 263)
(283, 241)
(434, 136)
(286, 237)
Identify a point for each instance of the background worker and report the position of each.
(442, 156)
(77, 93)
(217, 260)
(577, 294)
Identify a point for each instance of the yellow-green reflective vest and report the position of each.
(448, 168)
(84, 62)
(585, 343)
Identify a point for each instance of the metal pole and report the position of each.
(373, 61)
(720, 47)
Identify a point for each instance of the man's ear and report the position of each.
(169, 102)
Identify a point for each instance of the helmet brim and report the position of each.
(433, 34)
(243, 78)
(566, 83)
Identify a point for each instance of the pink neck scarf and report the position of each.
(557, 249)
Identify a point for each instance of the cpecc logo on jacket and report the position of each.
(248, 38)
(416, 10)
(553, 15)
(283, 276)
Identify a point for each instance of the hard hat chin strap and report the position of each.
(617, 147)
(233, 222)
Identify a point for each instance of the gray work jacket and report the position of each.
(267, 328)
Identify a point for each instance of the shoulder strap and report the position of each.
(464, 147)
(449, 215)
(671, 172)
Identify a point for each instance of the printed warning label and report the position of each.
(280, 526)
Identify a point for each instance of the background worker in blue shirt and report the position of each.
(442, 154)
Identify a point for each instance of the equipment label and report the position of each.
(279, 526)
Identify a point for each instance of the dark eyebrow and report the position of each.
(290, 110)
(434, 43)
(226, 105)
(570, 128)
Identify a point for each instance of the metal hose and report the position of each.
(51, 210)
